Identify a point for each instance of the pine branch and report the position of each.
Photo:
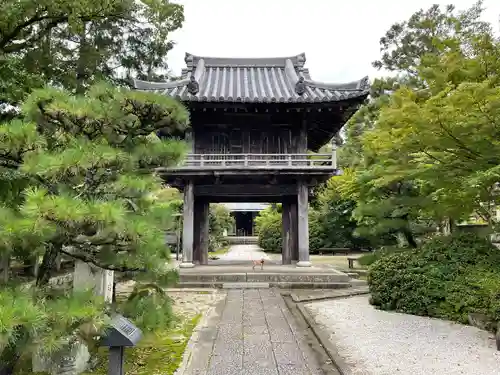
(110, 267)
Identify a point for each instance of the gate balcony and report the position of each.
(262, 162)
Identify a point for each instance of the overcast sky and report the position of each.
(340, 38)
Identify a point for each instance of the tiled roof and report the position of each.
(255, 80)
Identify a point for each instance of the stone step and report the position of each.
(284, 285)
(264, 277)
(245, 286)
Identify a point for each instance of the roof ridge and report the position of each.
(297, 60)
(358, 85)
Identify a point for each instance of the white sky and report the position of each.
(340, 38)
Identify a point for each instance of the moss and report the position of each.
(158, 353)
(221, 251)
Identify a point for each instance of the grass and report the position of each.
(157, 353)
(221, 251)
(338, 261)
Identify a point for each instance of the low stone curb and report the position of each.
(328, 295)
(187, 355)
(191, 290)
(324, 340)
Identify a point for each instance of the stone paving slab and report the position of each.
(254, 334)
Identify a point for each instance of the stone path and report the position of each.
(251, 332)
(244, 252)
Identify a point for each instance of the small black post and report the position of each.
(116, 357)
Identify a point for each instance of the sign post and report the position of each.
(121, 333)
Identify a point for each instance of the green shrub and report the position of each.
(448, 277)
(315, 232)
(370, 258)
(269, 229)
(220, 219)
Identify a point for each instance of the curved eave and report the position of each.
(360, 86)
(312, 95)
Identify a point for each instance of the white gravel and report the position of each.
(374, 342)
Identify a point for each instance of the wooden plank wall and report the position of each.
(250, 140)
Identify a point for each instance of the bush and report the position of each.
(370, 258)
(269, 229)
(220, 219)
(448, 277)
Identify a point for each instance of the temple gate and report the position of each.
(257, 125)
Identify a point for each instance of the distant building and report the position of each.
(244, 217)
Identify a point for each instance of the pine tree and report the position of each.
(81, 172)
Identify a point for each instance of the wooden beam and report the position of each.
(239, 190)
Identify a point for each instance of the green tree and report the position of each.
(334, 216)
(390, 199)
(76, 43)
(83, 169)
(448, 140)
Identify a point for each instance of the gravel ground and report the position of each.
(186, 303)
(374, 342)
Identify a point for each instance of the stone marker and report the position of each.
(76, 360)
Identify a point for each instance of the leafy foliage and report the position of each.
(420, 148)
(149, 307)
(220, 220)
(449, 277)
(335, 222)
(269, 228)
(96, 192)
(268, 225)
(74, 44)
(81, 183)
(45, 322)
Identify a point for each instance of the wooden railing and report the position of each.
(257, 161)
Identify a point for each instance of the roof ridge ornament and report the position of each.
(300, 86)
(193, 86)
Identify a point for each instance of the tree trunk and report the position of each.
(4, 268)
(81, 68)
(410, 239)
(49, 263)
(31, 266)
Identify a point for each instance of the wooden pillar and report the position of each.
(294, 231)
(286, 252)
(204, 225)
(198, 212)
(303, 223)
(201, 222)
(188, 226)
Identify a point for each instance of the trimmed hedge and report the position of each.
(448, 277)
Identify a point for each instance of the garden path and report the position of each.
(251, 332)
